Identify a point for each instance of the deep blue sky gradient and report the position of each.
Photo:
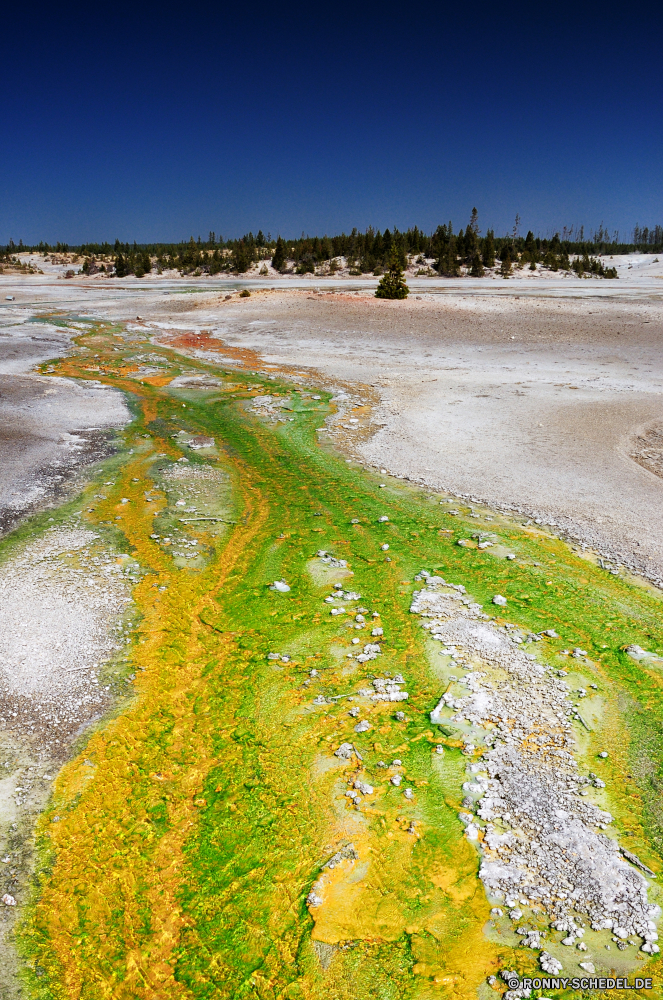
(153, 122)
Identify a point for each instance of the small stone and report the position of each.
(510, 556)
(515, 914)
(603, 754)
(400, 716)
(496, 912)
(408, 793)
(396, 763)
(439, 750)
(499, 600)
(587, 966)
(550, 964)
(345, 751)
(281, 586)
(396, 779)
(550, 632)
(354, 712)
(8, 900)
(363, 726)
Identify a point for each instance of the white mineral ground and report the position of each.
(49, 427)
(539, 393)
(543, 395)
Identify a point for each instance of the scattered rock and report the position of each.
(549, 964)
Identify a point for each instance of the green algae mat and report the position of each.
(241, 835)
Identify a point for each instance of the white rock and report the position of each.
(281, 586)
(396, 779)
(363, 726)
(587, 966)
(8, 900)
(499, 600)
(549, 964)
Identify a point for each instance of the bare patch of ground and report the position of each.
(49, 427)
(63, 597)
(647, 449)
(524, 394)
(525, 402)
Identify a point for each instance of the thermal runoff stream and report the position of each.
(357, 739)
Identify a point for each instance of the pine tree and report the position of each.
(505, 269)
(448, 261)
(278, 260)
(392, 285)
(488, 255)
(476, 270)
(240, 259)
(471, 241)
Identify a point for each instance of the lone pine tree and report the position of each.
(392, 284)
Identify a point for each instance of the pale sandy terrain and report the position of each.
(530, 393)
(49, 427)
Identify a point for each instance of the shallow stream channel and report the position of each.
(289, 727)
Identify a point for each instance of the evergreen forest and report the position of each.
(445, 252)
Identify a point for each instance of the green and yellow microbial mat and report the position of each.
(182, 869)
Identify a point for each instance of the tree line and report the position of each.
(367, 252)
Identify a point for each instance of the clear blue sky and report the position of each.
(156, 122)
